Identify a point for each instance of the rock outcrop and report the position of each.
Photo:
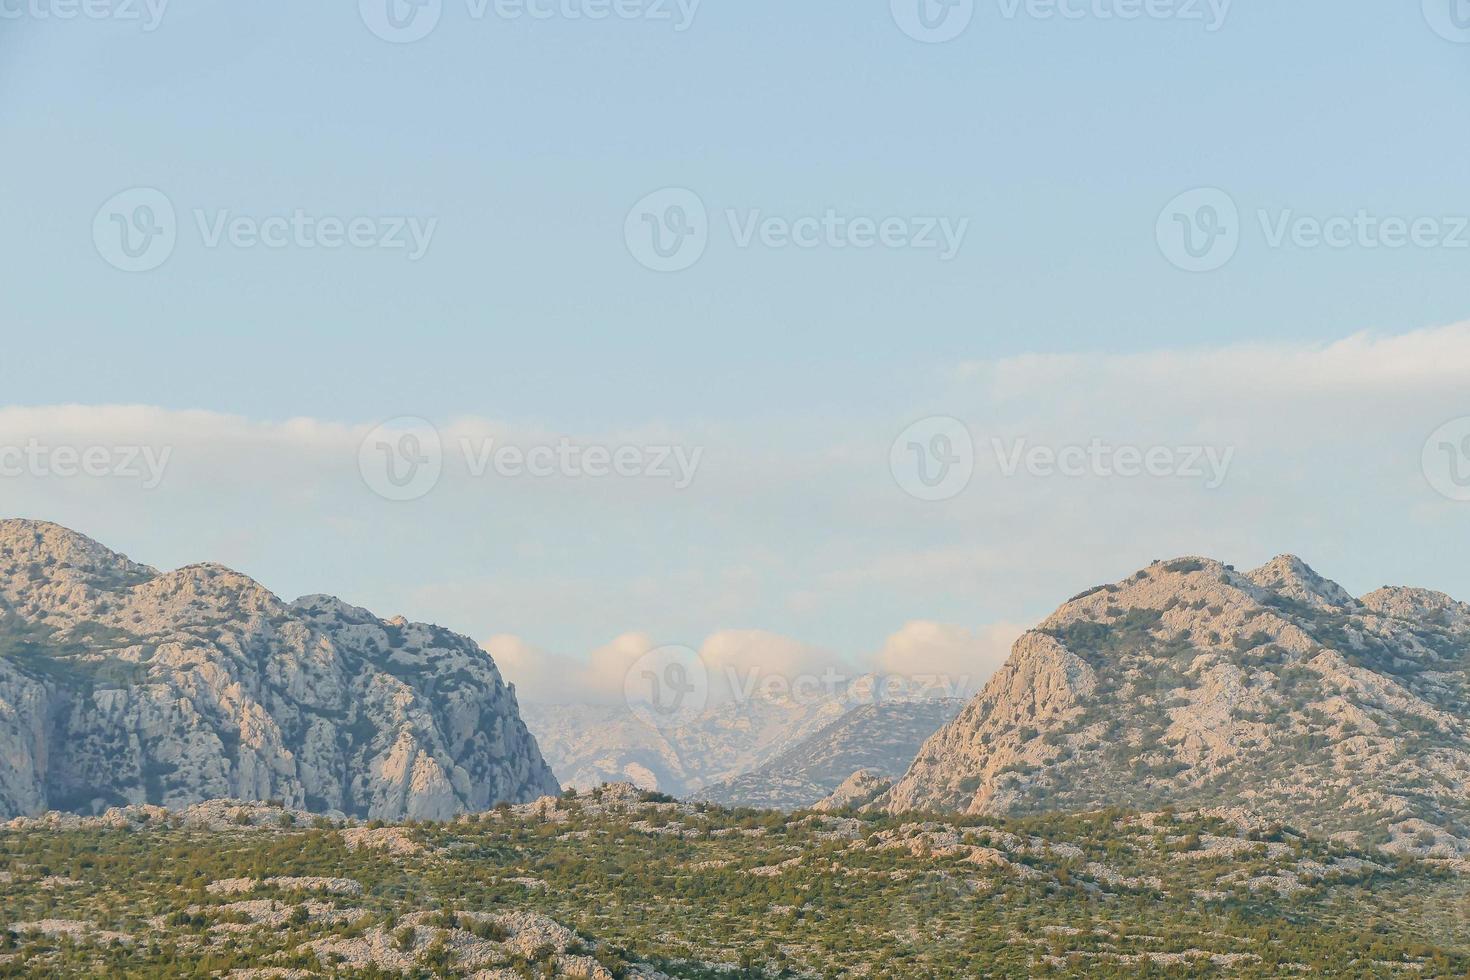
(120, 684)
(1193, 685)
(857, 791)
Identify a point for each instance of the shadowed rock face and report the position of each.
(121, 684)
(1192, 685)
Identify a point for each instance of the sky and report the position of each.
(880, 304)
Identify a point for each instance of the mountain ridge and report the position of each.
(123, 684)
(1191, 684)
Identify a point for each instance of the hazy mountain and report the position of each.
(1193, 685)
(121, 684)
(588, 745)
(880, 738)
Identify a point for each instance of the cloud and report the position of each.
(959, 658)
(801, 529)
(944, 657)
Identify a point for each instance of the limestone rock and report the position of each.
(1192, 685)
(123, 685)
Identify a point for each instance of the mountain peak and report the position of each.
(123, 685)
(1289, 576)
(1189, 684)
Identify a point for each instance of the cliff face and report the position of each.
(120, 684)
(1193, 685)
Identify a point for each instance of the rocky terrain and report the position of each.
(857, 792)
(620, 884)
(880, 738)
(121, 684)
(588, 745)
(1191, 684)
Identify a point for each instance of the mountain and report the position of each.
(856, 792)
(589, 745)
(881, 738)
(121, 684)
(1190, 684)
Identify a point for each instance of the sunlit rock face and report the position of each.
(120, 684)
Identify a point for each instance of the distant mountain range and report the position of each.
(880, 738)
(592, 744)
(121, 684)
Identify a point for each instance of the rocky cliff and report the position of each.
(1193, 685)
(120, 684)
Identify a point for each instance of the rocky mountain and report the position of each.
(881, 738)
(121, 684)
(1190, 684)
(856, 792)
(588, 745)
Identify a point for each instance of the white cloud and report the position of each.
(801, 528)
(941, 656)
(961, 659)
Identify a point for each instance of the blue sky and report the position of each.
(527, 141)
